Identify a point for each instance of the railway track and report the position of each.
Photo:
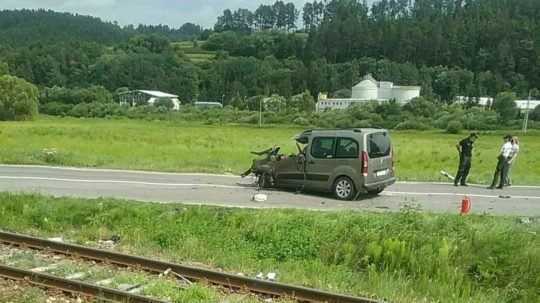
(229, 281)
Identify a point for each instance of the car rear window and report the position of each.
(322, 147)
(346, 148)
(378, 145)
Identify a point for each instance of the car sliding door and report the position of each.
(320, 162)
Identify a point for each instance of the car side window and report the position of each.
(347, 148)
(323, 148)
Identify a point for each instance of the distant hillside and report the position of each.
(25, 27)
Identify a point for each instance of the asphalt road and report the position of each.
(233, 191)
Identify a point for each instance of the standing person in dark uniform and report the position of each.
(464, 148)
(501, 171)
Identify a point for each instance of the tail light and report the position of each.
(364, 164)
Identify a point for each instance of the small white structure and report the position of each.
(370, 89)
(140, 96)
(522, 105)
(527, 105)
(482, 101)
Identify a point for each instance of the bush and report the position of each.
(412, 124)
(80, 110)
(301, 121)
(454, 127)
(505, 106)
(535, 114)
(18, 99)
(55, 108)
(164, 102)
(76, 95)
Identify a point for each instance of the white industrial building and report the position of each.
(135, 97)
(482, 101)
(522, 105)
(370, 89)
(527, 105)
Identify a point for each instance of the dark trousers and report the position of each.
(463, 170)
(508, 180)
(501, 172)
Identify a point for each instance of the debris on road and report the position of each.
(259, 198)
(448, 175)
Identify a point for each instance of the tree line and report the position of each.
(23, 28)
(449, 47)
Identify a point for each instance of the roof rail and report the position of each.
(355, 129)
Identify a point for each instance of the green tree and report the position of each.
(303, 102)
(4, 68)
(535, 114)
(18, 99)
(505, 106)
(275, 103)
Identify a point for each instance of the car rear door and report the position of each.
(379, 157)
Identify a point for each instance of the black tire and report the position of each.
(344, 189)
(265, 181)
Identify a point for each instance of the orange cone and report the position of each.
(465, 205)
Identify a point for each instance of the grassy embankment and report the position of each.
(195, 53)
(171, 146)
(402, 257)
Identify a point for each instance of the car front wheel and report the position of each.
(375, 192)
(344, 189)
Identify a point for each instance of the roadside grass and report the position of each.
(187, 147)
(400, 257)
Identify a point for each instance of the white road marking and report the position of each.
(124, 182)
(397, 193)
(470, 184)
(207, 174)
(208, 185)
(105, 170)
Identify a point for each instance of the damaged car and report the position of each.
(345, 162)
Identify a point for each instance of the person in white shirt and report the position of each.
(501, 171)
(513, 155)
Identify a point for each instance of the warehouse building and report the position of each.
(141, 97)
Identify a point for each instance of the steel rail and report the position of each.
(299, 293)
(72, 286)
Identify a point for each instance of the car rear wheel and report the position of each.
(344, 189)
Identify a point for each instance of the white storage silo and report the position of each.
(365, 90)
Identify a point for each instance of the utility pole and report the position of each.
(526, 119)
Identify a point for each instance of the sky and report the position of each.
(171, 12)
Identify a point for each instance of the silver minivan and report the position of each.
(346, 162)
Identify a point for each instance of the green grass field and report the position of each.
(183, 147)
(401, 257)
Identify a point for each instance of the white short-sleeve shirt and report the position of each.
(506, 149)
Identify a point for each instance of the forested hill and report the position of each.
(449, 47)
(27, 27)
(501, 37)
(30, 27)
